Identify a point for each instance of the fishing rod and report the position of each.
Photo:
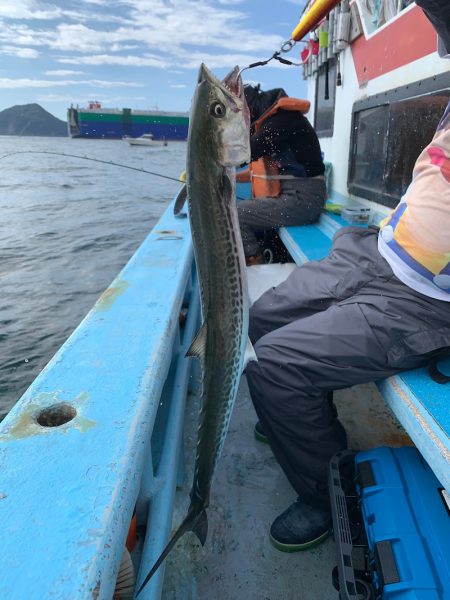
(106, 162)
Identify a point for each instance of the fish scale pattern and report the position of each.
(218, 137)
(227, 335)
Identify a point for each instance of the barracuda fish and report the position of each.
(218, 141)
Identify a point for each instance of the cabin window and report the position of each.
(387, 139)
(375, 13)
(325, 97)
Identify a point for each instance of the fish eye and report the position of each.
(217, 109)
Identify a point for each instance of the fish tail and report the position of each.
(200, 527)
(196, 521)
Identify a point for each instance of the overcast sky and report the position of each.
(137, 53)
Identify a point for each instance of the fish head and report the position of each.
(225, 116)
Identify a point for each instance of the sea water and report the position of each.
(67, 227)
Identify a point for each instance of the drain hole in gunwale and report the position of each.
(56, 415)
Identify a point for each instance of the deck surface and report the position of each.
(67, 493)
(249, 491)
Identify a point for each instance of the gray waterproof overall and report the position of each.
(333, 323)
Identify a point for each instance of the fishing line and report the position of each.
(106, 162)
(286, 47)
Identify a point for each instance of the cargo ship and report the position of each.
(112, 123)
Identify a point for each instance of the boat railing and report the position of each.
(98, 433)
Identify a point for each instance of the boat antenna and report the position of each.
(106, 162)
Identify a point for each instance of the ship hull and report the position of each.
(115, 124)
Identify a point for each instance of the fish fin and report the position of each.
(225, 184)
(197, 348)
(200, 527)
(249, 354)
(194, 521)
(180, 200)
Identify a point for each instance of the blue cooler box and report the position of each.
(400, 513)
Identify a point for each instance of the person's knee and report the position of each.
(256, 327)
(254, 331)
(266, 351)
(245, 210)
(263, 374)
(289, 376)
(264, 390)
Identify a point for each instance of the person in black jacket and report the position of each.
(286, 139)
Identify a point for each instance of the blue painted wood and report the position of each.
(306, 242)
(67, 493)
(420, 404)
(158, 530)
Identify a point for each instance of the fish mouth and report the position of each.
(233, 82)
(231, 85)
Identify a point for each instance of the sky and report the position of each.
(139, 54)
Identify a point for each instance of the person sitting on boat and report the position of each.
(286, 172)
(378, 304)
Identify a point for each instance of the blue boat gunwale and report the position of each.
(67, 493)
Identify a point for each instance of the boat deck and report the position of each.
(75, 451)
(249, 491)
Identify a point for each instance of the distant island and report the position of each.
(31, 119)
